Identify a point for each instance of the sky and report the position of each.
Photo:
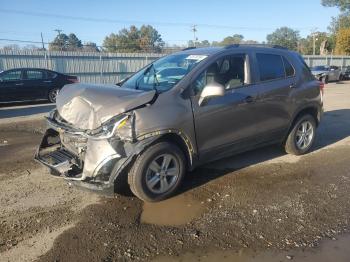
(93, 20)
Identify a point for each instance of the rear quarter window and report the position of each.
(289, 69)
(51, 75)
(306, 72)
(270, 66)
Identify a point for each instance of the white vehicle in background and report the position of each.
(327, 73)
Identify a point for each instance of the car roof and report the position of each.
(215, 50)
(30, 68)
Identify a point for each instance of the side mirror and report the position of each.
(332, 69)
(211, 90)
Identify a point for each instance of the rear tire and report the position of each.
(302, 136)
(158, 172)
(53, 94)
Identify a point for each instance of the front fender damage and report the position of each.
(87, 162)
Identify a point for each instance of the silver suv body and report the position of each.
(327, 73)
(181, 111)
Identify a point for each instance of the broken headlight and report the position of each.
(120, 126)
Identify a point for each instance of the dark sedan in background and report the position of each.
(347, 73)
(28, 84)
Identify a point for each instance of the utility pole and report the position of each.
(194, 30)
(44, 50)
(314, 34)
(59, 34)
(42, 40)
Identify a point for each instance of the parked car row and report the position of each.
(28, 84)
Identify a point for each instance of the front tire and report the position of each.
(341, 77)
(302, 136)
(53, 94)
(158, 172)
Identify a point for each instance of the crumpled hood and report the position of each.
(87, 106)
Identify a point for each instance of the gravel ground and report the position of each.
(262, 204)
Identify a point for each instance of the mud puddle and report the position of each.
(175, 211)
(328, 251)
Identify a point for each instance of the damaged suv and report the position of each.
(182, 110)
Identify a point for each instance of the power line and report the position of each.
(116, 21)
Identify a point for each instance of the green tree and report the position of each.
(343, 42)
(59, 43)
(230, 40)
(73, 42)
(284, 36)
(343, 5)
(145, 39)
(306, 44)
(250, 42)
(65, 42)
(204, 43)
(90, 47)
(341, 21)
(150, 39)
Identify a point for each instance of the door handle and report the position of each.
(19, 84)
(249, 99)
(48, 81)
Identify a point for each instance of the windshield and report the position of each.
(164, 73)
(319, 68)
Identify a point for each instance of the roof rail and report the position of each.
(257, 45)
(189, 48)
(232, 46)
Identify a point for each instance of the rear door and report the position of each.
(36, 84)
(11, 83)
(275, 81)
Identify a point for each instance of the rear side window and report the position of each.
(306, 72)
(51, 75)
(34, 74)
(288, 68)
(270, 66)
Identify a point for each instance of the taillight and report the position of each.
(73, 80)
(321, 87)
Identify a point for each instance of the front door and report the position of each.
(11, 83)
(222, 122)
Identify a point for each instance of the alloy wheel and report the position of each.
(304, 135)
(162, 173)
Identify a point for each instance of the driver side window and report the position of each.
(14, 75)
(229, 71)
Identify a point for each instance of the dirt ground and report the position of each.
(262, 205)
